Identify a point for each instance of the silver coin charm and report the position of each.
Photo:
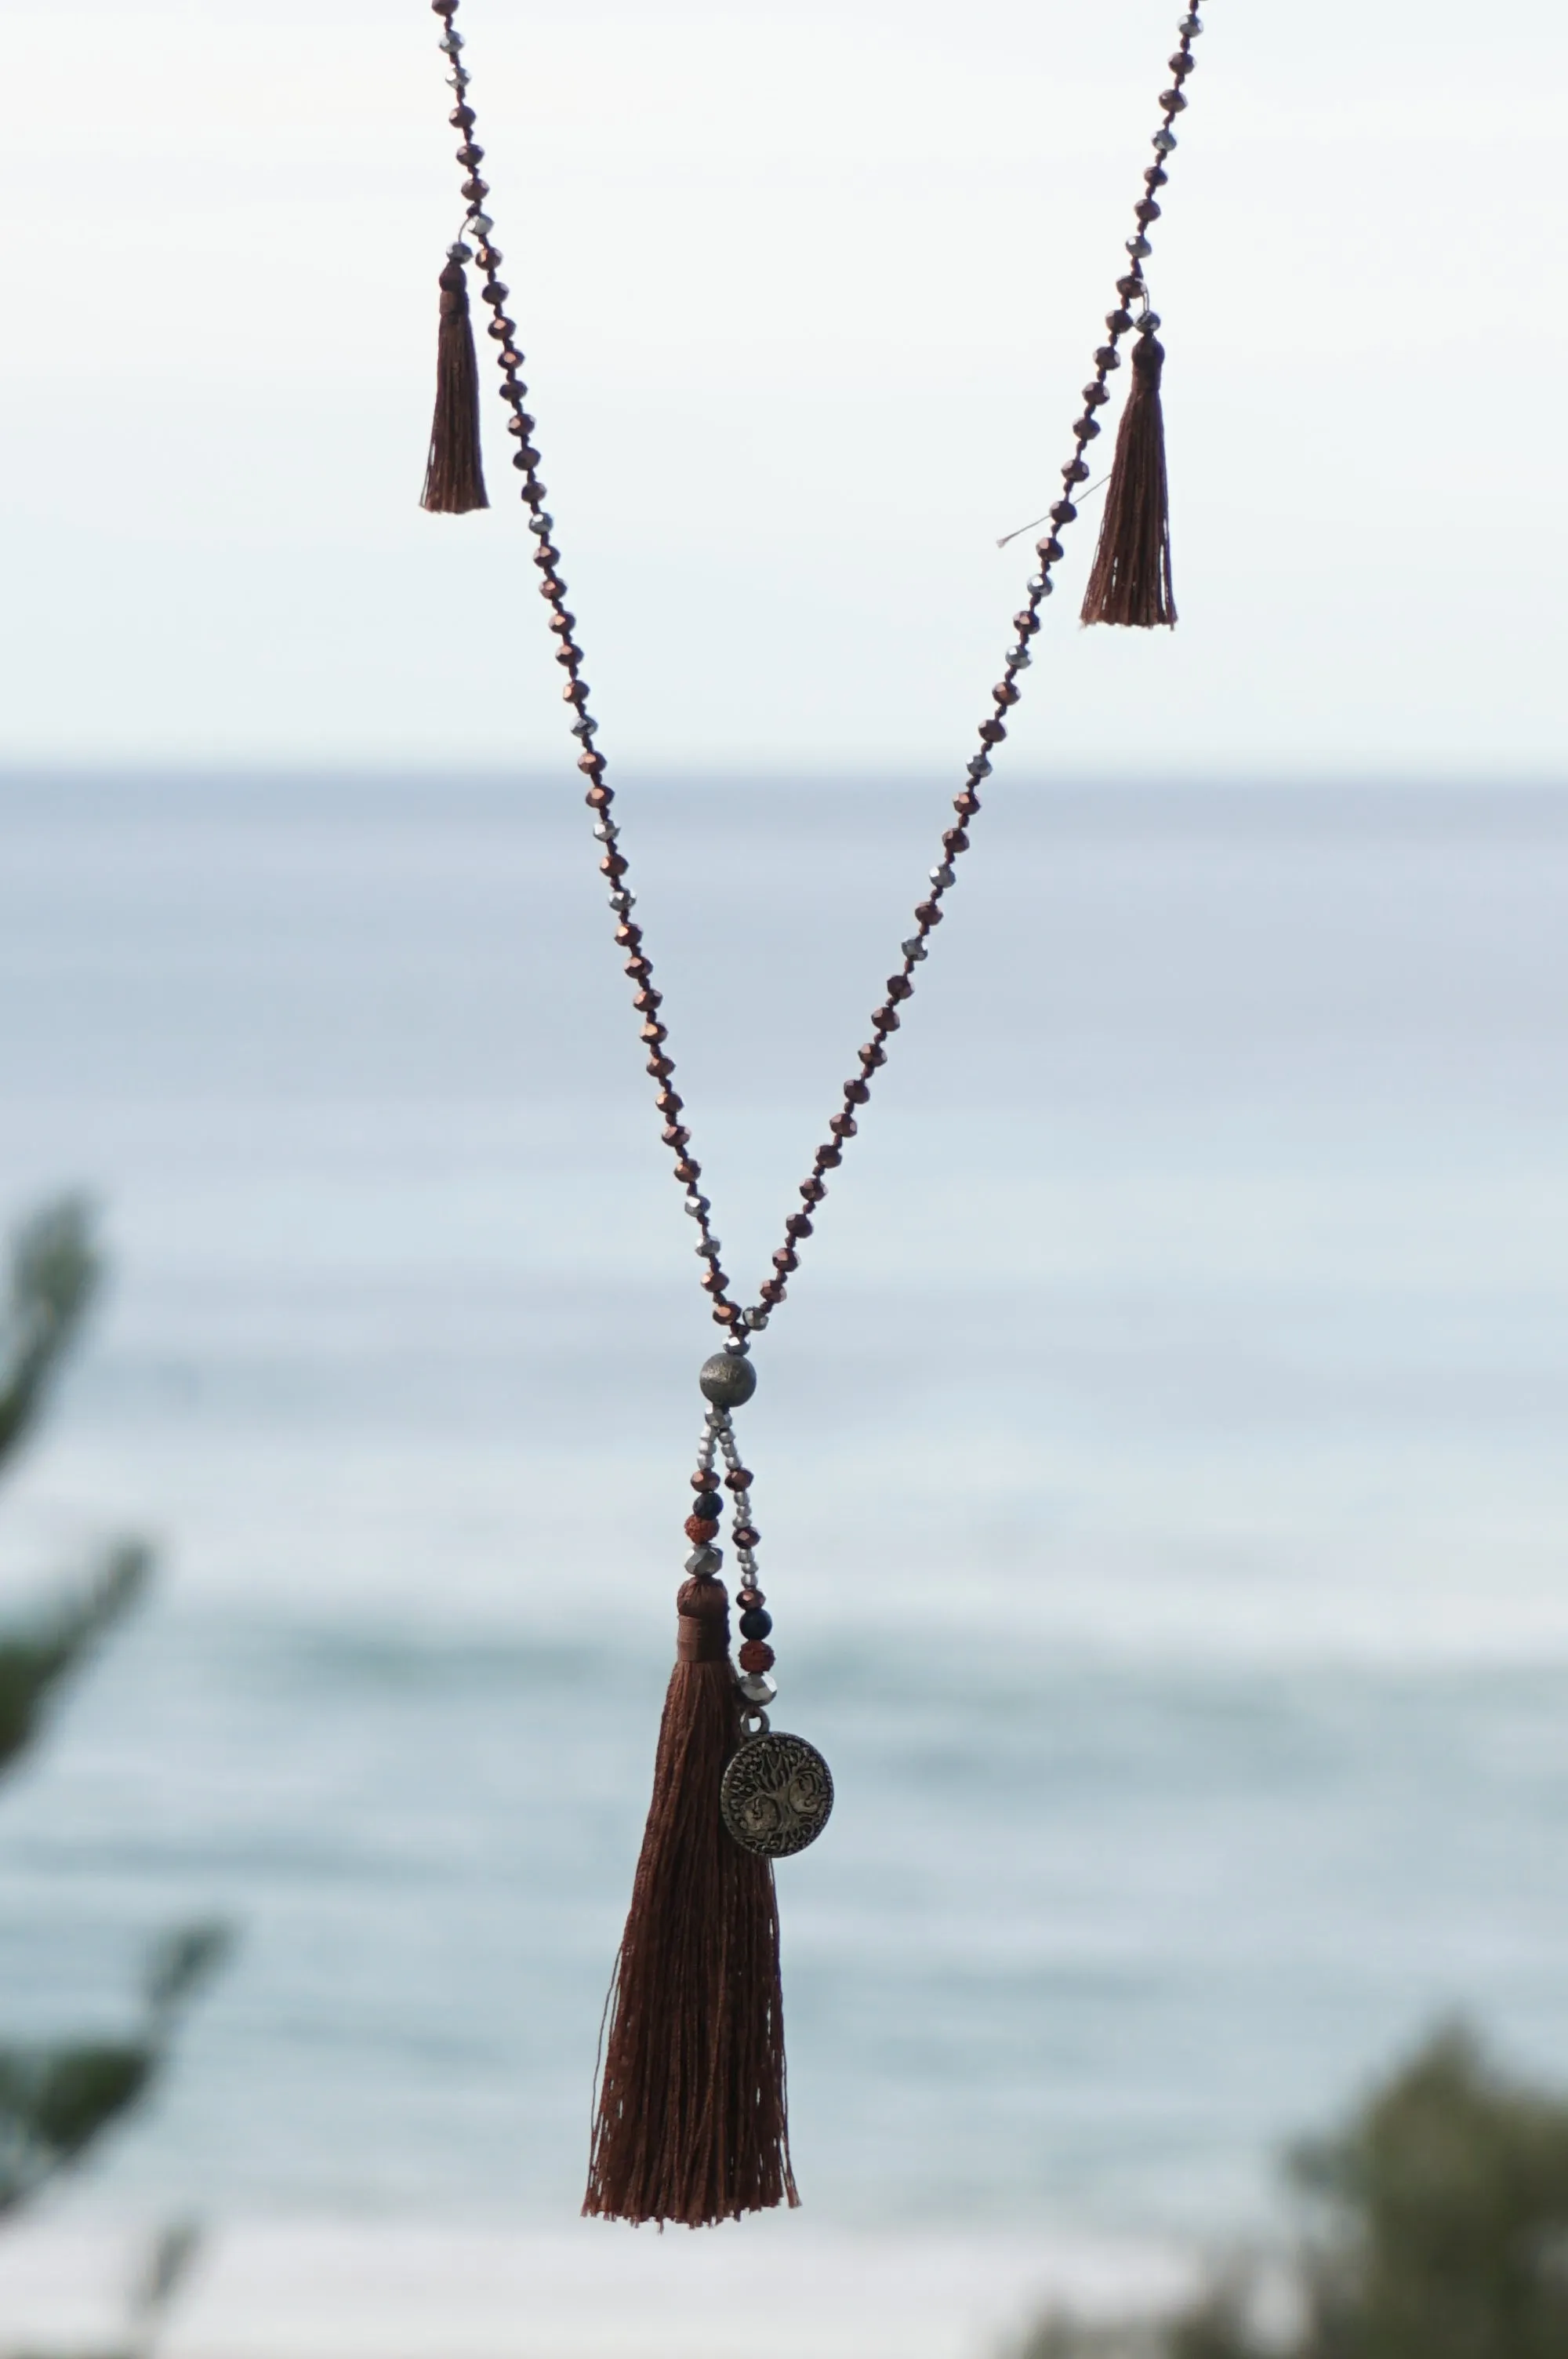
(777, 1795)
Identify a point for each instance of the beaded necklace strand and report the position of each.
(691, 2115)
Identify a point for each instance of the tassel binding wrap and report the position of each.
(1130, 581)
(691, 2123)
(454, 477)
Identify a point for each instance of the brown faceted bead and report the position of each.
(828, 1158)
(654, 1033)
(561, 621)
(701, 1481)
(992, 731)
(1006, 691)
(687, 1172)
(647, 999)
(859, 1092)
(714, 1280)
(474, 191)
(798, 1225)
(900, 988)
(747, 1534)
(885, 1019)
(1146, 209)
(786, 1258)
(639, 967)
(756, 1655)
(773, 1290)
(461, 118)
(873, 1054)
(669, 1101)
(739, 1478)
(568, 654)
(661, 1067)
(749, 1596)
(614, 864)
(966, 804)
(699, 1529)
(590, 764)
(725, 1313)
(813, 1191)
(598, 798)
(928, 914)
(628, 935)
(675, 1136)
(955, 839)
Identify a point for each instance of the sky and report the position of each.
(808, 293)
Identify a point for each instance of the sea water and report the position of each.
(1159, 1460)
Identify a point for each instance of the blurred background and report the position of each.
(1160, 1455)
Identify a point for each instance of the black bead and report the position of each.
(756, 1621)
(709, 1506)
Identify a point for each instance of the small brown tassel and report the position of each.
(454, 477)
(1131, 582)
(691, 2125)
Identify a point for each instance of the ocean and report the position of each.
(1159, 1461)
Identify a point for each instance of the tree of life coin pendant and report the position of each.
(777, 1794)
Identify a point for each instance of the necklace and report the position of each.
(691, 2123)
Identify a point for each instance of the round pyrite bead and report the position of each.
(728, 1380)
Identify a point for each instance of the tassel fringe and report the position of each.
(454, 476)
(1130, 579)
(691, 2123)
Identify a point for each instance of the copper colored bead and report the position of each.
(992, 731)
(647, 999)
(828, 1158)
(669, 1101)
(786, 1258)
(873, 1054)
(600, 798)
(714, 1280)
(687, 1172)
(701, 1481)
(590, 764)
(966, 804)
(746, 1535)
(699, 1529)
(639, 967)
(614, 864)
(749, 1596)
(725, 1313)
(799, 1224)
(885, 1019)
(739, 1478)
(654, 1033)
(955, 840)
(813, 1191)
(773, 1290)
(1006, 691)
(858, 1091)
(900, 988)
(756, 1655)
(628, 936)
(675, 1136)
(928, 914)
(661, 1066)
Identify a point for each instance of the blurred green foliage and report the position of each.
(58, 2099)
(1437, 2228)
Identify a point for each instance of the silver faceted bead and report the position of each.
(759, 1690)
(703, 1561)
(728, 1379)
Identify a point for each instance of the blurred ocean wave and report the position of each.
(1159, 1463)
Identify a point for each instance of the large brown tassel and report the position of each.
(454, 477)
(1131, 582)
(691, 2125)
